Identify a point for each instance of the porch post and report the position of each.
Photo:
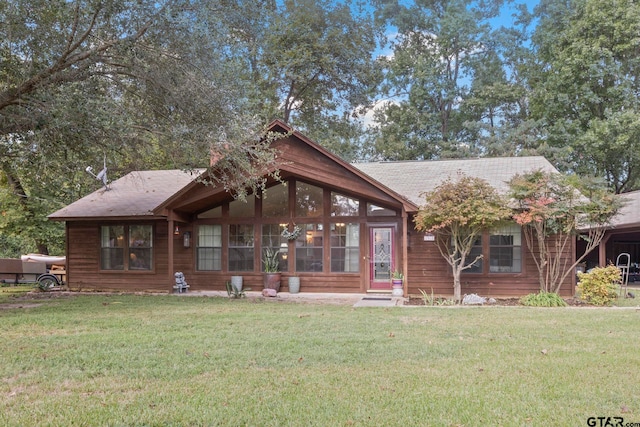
(170, 278)
(405, 263)
(602, 251)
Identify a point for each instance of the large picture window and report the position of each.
(209, 248)
(309, 248)
(126, 247)
(345, 248)
(505, 250)
(343, 205)
(308, 200)
(241, 247)
(275, 201)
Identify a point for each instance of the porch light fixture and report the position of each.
(186, 239)
(176, 231)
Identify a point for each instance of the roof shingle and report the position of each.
(135, 194)
(412, 178)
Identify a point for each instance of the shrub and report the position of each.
(543, 299)
(600, 285)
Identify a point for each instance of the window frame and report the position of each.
(127, 249)
(198, 247)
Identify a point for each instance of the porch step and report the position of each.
(379, 291)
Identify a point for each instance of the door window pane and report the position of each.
(382, 253)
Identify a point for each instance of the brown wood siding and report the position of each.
(83, 261)
(429, 271)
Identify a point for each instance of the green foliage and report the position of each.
(437, 46)
(271, 260)
(552, 208)
(236, 293)
(396, 274)
(432, 300)
(543, 299)
(458, 212)
(600, 285)
(585, 90)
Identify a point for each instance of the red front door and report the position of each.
(381, 257)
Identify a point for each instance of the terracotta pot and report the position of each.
(272, 281)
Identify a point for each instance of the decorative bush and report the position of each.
(543, 299)
(600, 285)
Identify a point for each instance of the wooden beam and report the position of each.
(170, 278)
(405, 254)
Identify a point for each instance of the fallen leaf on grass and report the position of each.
(543, 351)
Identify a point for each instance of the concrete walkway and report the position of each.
(356, 300)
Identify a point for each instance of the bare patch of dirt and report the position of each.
(13, 306)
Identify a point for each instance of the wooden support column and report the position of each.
(602, 251)
(170, 278)
(405, 262)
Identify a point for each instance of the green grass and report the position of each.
(8, 293)
(169, 360)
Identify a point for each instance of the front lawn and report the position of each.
(170, 360)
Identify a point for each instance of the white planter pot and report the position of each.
(236, 282)
(294, 285)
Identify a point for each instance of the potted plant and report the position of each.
(397, 279)
(272, 274)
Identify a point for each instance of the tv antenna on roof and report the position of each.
(102, 175)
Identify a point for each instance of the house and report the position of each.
(621, 236)
(340, 227)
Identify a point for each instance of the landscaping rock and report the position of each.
(269, 293)
(473, 299)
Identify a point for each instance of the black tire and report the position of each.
(47, 281)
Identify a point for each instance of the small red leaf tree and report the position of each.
(552, 210)
(458, 212)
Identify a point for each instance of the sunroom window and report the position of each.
(275, 201)
(209, 247)
(309, 248)
(308, 200)
(241, 247)
(272, 239)
(345, 248)
(343, 205)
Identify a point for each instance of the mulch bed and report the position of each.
(506, 302)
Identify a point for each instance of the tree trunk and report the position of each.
(456, 285)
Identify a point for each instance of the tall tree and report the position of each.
(81, 79)
(427, 78)
(587, 86)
